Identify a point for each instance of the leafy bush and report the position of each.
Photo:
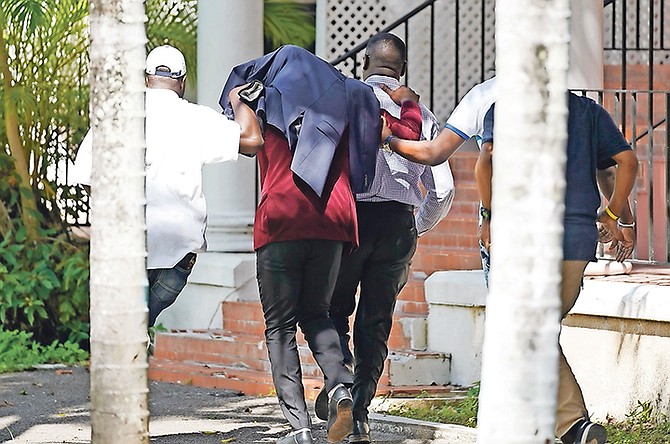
(44, 287)
(20, 352)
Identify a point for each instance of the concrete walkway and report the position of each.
(52, 406)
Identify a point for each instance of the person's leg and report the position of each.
(343, 302)
(571, 407)
(320, 273)
(386, 273)
(280, 274)
(165, 284)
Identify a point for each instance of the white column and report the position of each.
(229, 33)
(586, 45)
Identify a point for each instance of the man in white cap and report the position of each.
(181, 137)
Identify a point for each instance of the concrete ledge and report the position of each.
(422, 431)
(456, 312)
(624, 300)
(224, 269)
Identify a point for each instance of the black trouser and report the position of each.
(387, 237)
(296, 281)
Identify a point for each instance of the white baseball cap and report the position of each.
(166, 61)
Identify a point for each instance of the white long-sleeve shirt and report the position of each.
(400, 180)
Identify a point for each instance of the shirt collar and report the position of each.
(376, 80)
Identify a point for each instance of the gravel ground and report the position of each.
(52, 406)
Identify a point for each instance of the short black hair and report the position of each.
(386, 42)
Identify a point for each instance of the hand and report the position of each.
(485, 234)
(622, 249)
(233, 94)
(608, 226)
(604, 236)
(400, 94)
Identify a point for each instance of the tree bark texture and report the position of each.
(119, 385)
(520, 355)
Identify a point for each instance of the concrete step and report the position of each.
(219, 359)
(259, 383)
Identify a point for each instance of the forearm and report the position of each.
(627, 165)
(606, 179)
(429, 152)
(251, 138)
(484, 175)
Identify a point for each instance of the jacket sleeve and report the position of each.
(364, 134)
(408, 127)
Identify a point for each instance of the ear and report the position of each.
(366, 61)
(403, 69)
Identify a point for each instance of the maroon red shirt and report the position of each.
(290, 210)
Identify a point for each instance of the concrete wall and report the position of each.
(616, 338)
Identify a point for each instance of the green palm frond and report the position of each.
(26, 14)
(175, 22)
(288, 22)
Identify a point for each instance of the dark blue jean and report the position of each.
(165, 284)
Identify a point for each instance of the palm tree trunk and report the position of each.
(28, 204)
(119, 386)
(520, 356)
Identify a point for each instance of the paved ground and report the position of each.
(52, 406)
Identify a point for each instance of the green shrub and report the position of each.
(44, 287)
(19, 352)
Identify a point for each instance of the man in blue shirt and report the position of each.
(594, 143)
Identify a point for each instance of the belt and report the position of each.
(389, 205)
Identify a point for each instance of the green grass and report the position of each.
(643, 425)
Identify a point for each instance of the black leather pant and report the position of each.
(296, 281)
(388, 238)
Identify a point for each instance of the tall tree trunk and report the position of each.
(520, 356)
(119, 386)
(28, 203)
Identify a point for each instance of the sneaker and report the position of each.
(340, 413)
(585, 432)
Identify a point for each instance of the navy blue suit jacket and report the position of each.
(300, 85)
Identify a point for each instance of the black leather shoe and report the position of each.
(340, 414)
(321, 401)
(302, 436)
(585, 432)
(321, 404)
(361, 432)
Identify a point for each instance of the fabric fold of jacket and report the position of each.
(312, 104)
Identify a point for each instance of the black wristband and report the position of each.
(485, 213)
